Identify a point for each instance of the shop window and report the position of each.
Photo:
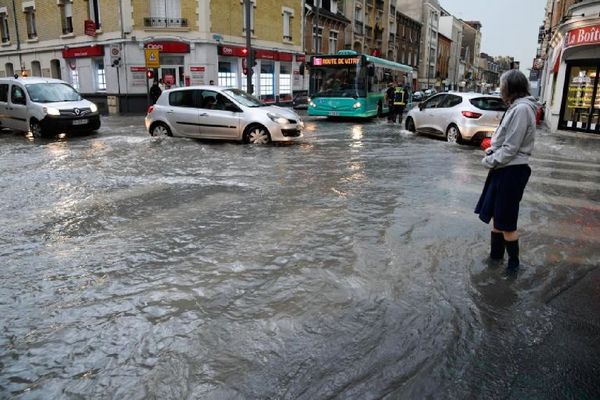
(287, 13)
(285, 82)
(100, 75)
(227, 76)
(30, 20)
(580, 105)
(4, 32)
(252, 12)
(333, 39)
(36, 68)
(66, 16)
(75, 79)
(267, 78)
(93, 12)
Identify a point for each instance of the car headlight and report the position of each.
(51, 111)
(93, 107)
(278, 118)
(357, 105)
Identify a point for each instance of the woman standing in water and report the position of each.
(508, 162)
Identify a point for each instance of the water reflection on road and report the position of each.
(347, 266)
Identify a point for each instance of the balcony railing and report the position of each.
(158, 22)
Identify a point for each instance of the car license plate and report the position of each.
(333, 113)
(80, 121)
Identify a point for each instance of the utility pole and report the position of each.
(249, 53)
(18, 38)
(317, 49)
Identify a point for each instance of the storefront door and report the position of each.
(580, 110)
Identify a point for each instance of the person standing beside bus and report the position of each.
(399, 103)
(389, 98)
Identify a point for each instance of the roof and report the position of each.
(33, 79)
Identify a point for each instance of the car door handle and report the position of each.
(170, 112)
(204, 115)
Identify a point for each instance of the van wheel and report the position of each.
(36, 129)
(257, 134)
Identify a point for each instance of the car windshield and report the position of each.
(52, 92)
(244, 98)
(489, 103)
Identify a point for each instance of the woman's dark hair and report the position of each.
(513, 85)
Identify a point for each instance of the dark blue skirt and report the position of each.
(502, 193)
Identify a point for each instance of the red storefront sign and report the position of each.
(169, 47)
(582, 36)
(300, 57)
(266, 54)
(233, 51)
(286, 57)
(79, 52)
(89, 27)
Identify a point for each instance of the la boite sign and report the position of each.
(583, 36)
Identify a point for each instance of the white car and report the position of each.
(45, 106)
(210, 112)
(457, 116)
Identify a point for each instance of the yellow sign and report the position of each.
(152, 58)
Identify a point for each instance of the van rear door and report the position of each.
(4, 117)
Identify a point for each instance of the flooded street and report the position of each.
(347, 266)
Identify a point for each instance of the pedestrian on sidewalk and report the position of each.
(155, 92)
(508, 162)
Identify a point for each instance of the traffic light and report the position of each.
(149, 74)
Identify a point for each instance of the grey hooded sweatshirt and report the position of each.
(512, 142)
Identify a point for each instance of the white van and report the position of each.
(45, 106)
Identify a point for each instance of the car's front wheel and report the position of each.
(257, 134)
(410, 124)
(159, 129)
(453, 134)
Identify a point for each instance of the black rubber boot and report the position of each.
(497, 251)
(512, 248)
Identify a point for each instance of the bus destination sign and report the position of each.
(335, 61)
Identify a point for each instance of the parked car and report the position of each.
(457, 116)
(45, 106)
(211, 112)
(300, 101)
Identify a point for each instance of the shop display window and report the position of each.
(582, 99)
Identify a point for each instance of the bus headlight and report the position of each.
(51, 111)
(357, 105)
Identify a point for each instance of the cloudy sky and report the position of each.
(510, 27)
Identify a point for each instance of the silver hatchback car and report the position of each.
(457, 116)
(211, 112)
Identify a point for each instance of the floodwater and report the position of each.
(347, 266)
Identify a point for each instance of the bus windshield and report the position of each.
(346, 81)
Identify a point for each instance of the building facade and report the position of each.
(102, 47)
(428, 12)
(453, 28)
(571, 78)
(443, 61)
(471, 48)
(408, 43)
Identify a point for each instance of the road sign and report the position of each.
(152, 58)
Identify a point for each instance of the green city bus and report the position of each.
(350, 84)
